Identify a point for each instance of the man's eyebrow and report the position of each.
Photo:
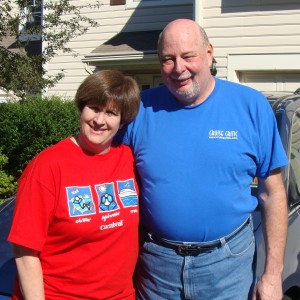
(182, 54)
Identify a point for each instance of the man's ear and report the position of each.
(210, 52)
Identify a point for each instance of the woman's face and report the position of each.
(98, 126)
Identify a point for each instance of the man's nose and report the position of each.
(179, 65)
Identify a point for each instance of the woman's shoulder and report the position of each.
(53, 153)
(62, 147)
(122, 149)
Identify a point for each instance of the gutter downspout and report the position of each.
(198, 11)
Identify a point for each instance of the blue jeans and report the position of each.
(222, 273)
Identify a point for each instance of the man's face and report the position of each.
(185, 65)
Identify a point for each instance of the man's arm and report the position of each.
(275, 218)
(29, 272)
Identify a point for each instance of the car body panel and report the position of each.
(7, 261)
(287, 113)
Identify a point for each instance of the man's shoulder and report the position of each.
(238, 88)
(158, 91)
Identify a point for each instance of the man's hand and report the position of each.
(269, 287)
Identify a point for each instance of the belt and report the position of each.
(194, 248)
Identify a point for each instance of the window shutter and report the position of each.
(117, 2)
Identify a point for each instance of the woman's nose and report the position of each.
(100, 118)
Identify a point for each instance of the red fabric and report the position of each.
(87, 250)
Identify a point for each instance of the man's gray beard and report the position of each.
(190, 95)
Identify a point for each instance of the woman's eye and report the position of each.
(94, 108)
(111, 113)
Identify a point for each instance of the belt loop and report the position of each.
(223, 241)
(251, 222)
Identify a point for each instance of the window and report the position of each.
(31, 17)
(294, 187)
(34, 17)
(117, 2)
(146, 81)
(135, 3)
(142, 1)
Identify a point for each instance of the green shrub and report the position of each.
(7, 182)
(28, 127)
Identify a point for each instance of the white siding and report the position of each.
(112, 20)
(3, 95)
(251, 27)
(248, 27)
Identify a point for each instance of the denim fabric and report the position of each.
(222, 273)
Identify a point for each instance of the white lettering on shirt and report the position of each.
(107, 216)
(111, 225)
(82, 220)
(223, 134)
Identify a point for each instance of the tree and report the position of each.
(7, 183)
(36, 25)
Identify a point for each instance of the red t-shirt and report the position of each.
(81, 212)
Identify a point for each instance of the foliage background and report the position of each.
(39, 30)
(28, 127)
(32, 33)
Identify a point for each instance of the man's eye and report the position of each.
(167, 60)
(188, 58)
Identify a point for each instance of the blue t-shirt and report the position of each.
(196, 163)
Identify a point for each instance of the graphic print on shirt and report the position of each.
(80, 201)
(127, 193)
(107, 197)
(223, 134)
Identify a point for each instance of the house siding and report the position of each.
(248, 27)
(251, 27)
(112, 20)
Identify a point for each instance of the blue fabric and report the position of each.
(196, 163)
(223, 273)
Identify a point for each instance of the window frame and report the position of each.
(117, 2)
(294, 159)
(34, 11)
(147, 3)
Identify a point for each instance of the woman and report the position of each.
(74, 230)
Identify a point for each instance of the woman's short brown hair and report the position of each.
(110, 87)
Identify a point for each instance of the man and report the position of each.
(198, 143)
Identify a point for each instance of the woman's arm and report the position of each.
(30, 273)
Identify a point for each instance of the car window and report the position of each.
(294, 178)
